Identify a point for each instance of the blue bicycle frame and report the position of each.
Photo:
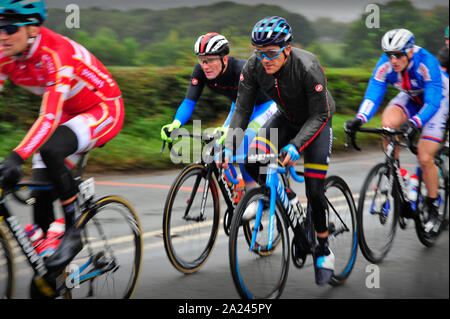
(276, 191)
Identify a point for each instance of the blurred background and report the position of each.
(148, 47)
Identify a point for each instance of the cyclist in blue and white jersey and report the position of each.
(421, 106)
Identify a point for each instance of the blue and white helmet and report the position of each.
(22, 12)
(397, 40)
(271, 31)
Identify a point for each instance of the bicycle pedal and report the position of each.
(402, 221)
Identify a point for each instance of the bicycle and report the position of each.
(384, 199)
(110, 260)
(257, 275)
(24, 195)
(190, 222)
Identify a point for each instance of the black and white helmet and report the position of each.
(211, 44)
(397, 40)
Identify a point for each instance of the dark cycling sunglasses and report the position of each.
(396, 55)
(9, 29)
(268, 54)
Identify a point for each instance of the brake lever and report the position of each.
(352, 137)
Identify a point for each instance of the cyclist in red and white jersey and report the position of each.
(81, 109)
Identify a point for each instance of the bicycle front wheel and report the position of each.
(191, 219)
(6, 268)
(342, 238)
(110, 262)
(259, 271)
(377, 214)
(428, 234)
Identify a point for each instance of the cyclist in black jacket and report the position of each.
(295, 80)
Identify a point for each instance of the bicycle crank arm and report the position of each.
(195, 219)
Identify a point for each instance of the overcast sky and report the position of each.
(339, 10)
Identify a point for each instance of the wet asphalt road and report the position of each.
(409, 271)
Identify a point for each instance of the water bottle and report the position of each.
(413, 188)
(293, 199)
(405, 176)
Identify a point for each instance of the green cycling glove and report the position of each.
(170, 127)
(224, 130)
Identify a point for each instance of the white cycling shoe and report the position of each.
(324, 266)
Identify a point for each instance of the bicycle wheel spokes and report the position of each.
(258, 273)
(341, 226)
(110, 261)
(6, 268)
(191, 220)
(377, 215)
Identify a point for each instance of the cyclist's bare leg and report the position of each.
(392, 117)
(426, 149)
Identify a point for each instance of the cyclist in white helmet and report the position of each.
(420, 108)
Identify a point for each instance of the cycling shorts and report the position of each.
(434, 129)
(93, 128)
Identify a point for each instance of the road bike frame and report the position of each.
(35, 261)
(277, 191)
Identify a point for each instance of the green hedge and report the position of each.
(155, 94)
(152, 96)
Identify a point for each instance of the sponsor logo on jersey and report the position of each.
(424, 72)
(45, 128)
(194, 81)
(49, 63)
(241, 77)
(92, 78)
(382, 71)
(319, 88)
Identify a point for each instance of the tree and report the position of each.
(363, 44)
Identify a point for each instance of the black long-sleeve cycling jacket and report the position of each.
(299, 88)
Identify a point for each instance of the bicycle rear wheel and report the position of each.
(110, 262)
(377, 214)
(260, 272)
(342, 227)
(6, 268)
(426, 235)
(190, 236)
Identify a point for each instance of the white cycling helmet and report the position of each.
(397, 40)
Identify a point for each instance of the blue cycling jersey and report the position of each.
(422, 81)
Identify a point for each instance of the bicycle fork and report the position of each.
(204, 196)
(277, 191)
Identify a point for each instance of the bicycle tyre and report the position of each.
(101, 217)
(238, 272)
(368, 250)
(6, 258)
(248, 229)
(339, 226)
(190, 266)
(426, 238)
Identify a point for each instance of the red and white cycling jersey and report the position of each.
(67, 76)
